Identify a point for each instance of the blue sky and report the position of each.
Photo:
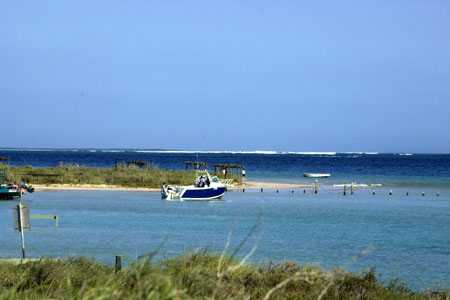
(281, 75)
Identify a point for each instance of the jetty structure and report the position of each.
(195, 165)
(227, 170)
(130, 163)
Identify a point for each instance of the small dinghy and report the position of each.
(317, 175)
(205, 188)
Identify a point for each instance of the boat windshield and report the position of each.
(202, 181)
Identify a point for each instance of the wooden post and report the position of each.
(118, 265)
(21, 225)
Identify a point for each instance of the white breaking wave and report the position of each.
(362, 153)
(207, 152)
(264, 152)
(312, 153)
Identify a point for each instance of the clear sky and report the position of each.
(232, 75)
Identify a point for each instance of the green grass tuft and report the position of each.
(192, 276)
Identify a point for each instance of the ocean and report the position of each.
(401, 236)
(390, 169)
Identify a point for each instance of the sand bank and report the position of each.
(273, 185)
(91, 187)
(106, 187)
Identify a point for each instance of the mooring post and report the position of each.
(118, 265)
(22, 230)
(21, 222)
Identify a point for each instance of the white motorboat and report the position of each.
(205, 188)
(317, 175)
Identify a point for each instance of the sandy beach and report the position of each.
(91, 187)
(105, 187)
(273, 185)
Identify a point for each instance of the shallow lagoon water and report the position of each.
(405, 237)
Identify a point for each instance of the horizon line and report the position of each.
(188, 151)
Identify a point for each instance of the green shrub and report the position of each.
(191, 276)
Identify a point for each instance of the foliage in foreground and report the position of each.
(193, 276)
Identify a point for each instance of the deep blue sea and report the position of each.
(395, 169)
(401, 236)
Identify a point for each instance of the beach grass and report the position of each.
(119, 175)
(200, 275)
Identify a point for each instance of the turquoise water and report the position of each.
(406, 237)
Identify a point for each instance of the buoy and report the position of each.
(304, 191)
(437, 195)
(390, 193)
(407, 193)
(373, 192)
(278, 191)
(243, 190)
(423, 194)
(292, 191)
(262, 190)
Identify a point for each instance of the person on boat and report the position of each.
(202, 181)
(208, 182)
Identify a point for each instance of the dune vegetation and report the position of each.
(119, 175)
(198, 275)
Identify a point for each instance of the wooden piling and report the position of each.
(118, 264)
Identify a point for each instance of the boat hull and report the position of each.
(203, 194)
(9, 195)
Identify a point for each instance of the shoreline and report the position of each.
(106, 187)
(91, 187)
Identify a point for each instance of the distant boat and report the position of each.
(317, 175)
(10, 192)
(206, 188)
